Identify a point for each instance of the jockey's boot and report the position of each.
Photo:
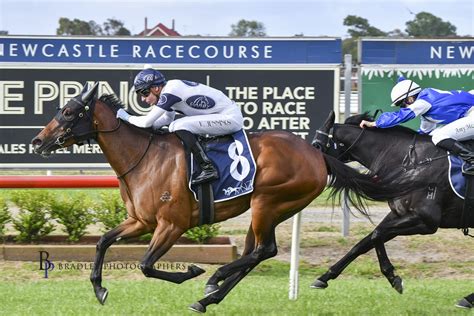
(462, 151)
(208, 171)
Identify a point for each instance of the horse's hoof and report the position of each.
(197, 307)
(464, 303)
(318, 284)
(101, 295)
(195, 270)
(210, 289)
(397, 284)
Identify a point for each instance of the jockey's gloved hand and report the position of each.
(122, 114)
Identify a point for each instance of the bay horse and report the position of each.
(153, 184)
(422, 211)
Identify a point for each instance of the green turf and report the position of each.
(263, 292)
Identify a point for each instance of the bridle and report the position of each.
(324, 141)
(345, 152)
(81, 127)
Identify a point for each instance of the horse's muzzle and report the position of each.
(40, 148)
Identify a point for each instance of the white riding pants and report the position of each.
(225, 123)
(461, 129)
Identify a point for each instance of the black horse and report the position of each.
(423, 211)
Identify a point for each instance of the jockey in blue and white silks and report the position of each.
(454, 109)
(207, 111)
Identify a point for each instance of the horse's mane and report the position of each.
(112, 101)
(356, 119)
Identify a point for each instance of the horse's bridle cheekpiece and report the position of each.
(78, 126)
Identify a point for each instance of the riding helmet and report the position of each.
(148, 78)
(404, 89)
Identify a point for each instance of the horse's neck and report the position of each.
(373, 144)
(122, 147)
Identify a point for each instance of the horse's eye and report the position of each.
(67, 112)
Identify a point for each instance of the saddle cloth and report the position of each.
(233, 159)
(456, 178)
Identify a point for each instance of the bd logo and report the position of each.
(45, 264)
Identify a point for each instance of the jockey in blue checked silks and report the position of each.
(207, 112)
(454, 109)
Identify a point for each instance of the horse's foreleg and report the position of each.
(164, 237)
(466, 302)
(406, 225)
(363, 246)
(129, 228)
(335, 270)
(212, 284)
(387, 268)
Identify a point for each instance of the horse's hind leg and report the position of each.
(164, 237)
(129, 228)
(235, 271)
(212, 284)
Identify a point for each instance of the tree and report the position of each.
(358, 27)
(78, 27)
(75, 27)
(245, 28)
(397, 33)
(115, 27)
(428, 25)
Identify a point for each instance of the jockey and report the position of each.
(454, 108)
(208, 112)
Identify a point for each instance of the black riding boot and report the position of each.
(462, 151)
(208, 171)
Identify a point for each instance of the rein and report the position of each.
(352, 145)
(410, 160)
(150, 138)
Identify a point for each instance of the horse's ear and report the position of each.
(329, 121)
(84, 89)
(86, 96)
(376, 113)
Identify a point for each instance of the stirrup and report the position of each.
(206, 175)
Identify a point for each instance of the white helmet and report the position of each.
(404, 89)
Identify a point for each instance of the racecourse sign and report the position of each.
(170, 51)
(289, 97)
(444, 64)
(416, 52)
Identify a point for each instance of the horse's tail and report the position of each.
(361, 187)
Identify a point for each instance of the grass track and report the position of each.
(261, 293)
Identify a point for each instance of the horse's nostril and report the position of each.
(36, 142)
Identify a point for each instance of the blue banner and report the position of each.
(170, 51)
(417, 51)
